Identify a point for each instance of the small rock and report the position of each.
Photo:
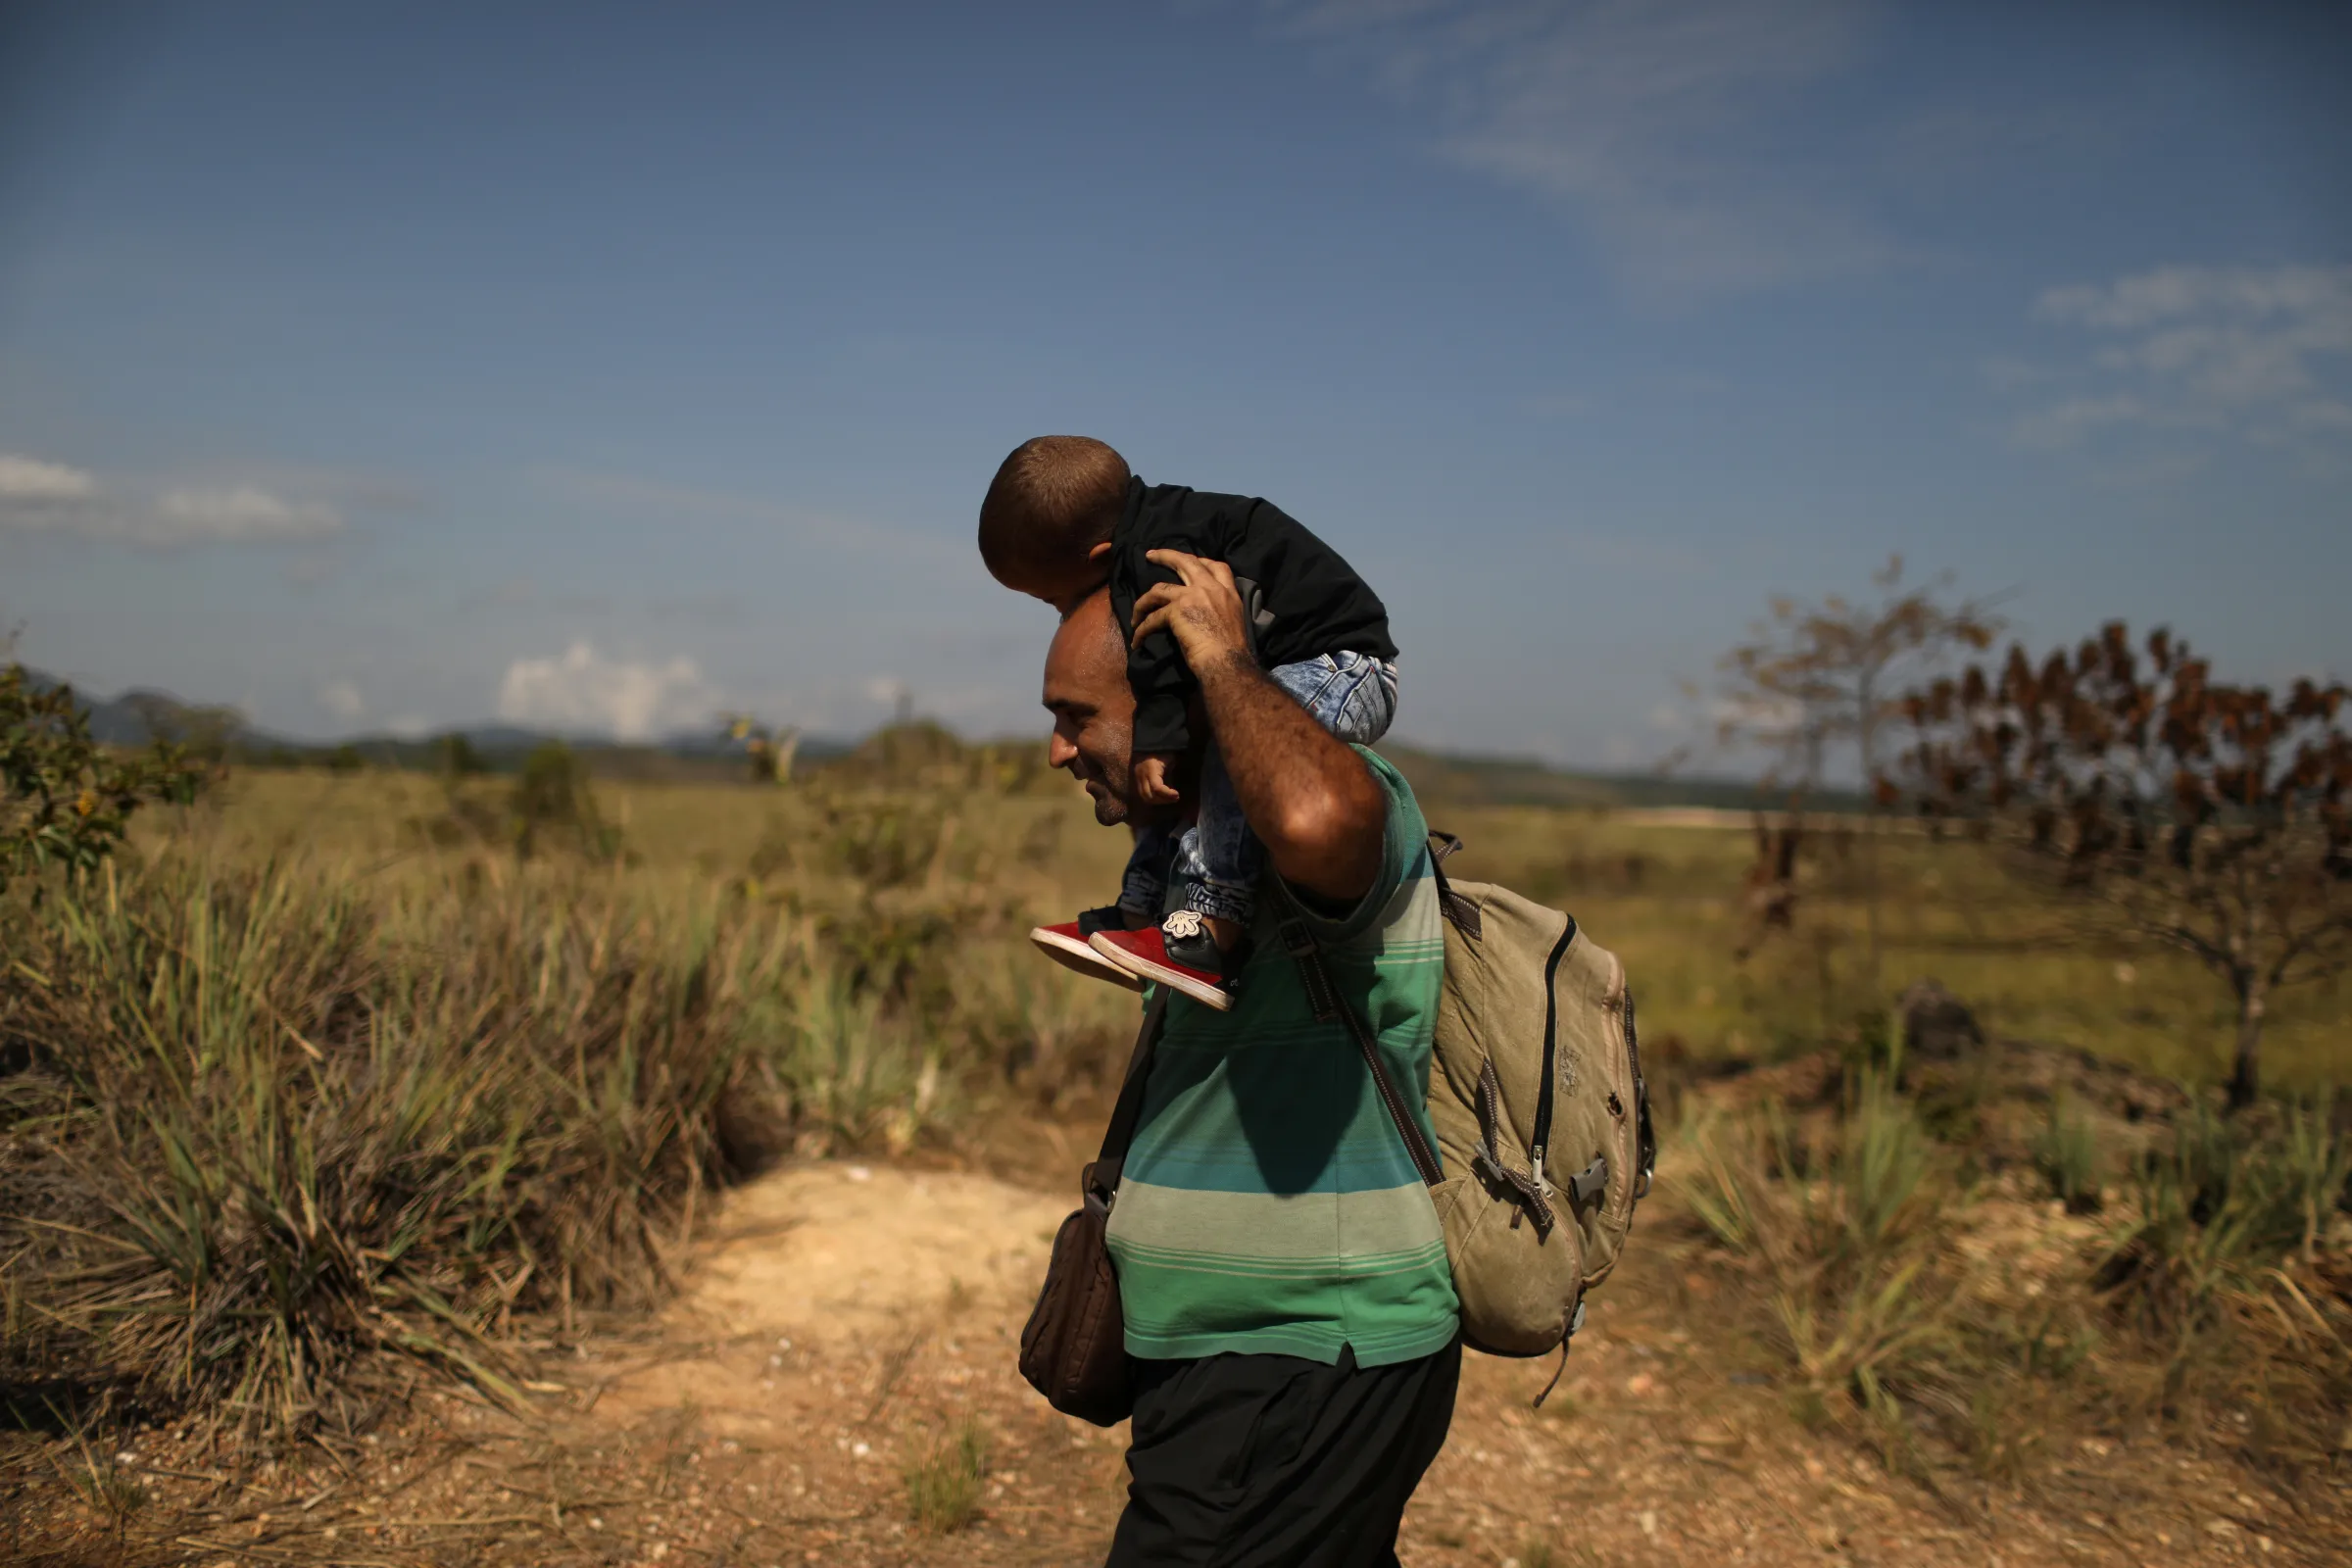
(1937, 1025)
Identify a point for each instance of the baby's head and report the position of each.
(1044, 529)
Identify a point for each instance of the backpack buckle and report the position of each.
(1591, 1181)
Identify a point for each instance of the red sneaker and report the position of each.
(1066, 944)
(1179, 954)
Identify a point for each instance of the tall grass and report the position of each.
(2067, 1154)
(268, 1123)
(942, 1478)
(2220, 1271)
(1842, 1223)
(1916, 1302)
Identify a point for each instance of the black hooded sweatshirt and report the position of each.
(1301, 600)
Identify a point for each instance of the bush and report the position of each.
(1844, 1230)
(2067, 1154)
(2219, 1209)
(552, 805)
(65, 800)
(2226, 1277)
(273, 1126)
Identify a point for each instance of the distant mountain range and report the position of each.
(136, 718)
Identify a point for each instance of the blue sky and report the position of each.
(603, 367)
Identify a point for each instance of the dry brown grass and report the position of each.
(331, 1084)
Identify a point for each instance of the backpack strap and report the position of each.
(1325, 999)
(1456, 907)
(1531, 1189)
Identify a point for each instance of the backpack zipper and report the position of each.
(1551, 1059)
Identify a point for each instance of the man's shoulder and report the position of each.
(1406, 827)
(1402, 897)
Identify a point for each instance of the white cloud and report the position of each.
(1645, 118)
(581, 689)
(2256, 354)
(242, 513)
(28, 482)
(342, 699)
(38, 496)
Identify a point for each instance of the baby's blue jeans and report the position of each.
(1218, 858)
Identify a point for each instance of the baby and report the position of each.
(1063, 517)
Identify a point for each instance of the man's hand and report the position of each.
(1201, 610)
(1311, 801)
(1151, 778)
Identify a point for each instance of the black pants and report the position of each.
(1273, 1461)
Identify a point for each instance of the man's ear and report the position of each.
(1098, 552)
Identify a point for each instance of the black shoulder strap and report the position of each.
(1130, 1108)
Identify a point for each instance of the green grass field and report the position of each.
(324, 1072)
(1670, 900)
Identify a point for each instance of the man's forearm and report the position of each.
(1307, 795)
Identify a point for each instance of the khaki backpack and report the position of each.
(1536, 1094)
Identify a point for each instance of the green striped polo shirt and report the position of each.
(1267, 1204)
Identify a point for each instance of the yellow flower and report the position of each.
(87, 802)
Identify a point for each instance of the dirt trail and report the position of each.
(826, 1267)
(838, 1319)
(838, 1255)
(842, 1316)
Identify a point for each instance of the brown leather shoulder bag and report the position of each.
(1074, 1346)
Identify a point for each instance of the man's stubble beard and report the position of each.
(1115, 805)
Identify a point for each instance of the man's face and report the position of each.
(1094, 710)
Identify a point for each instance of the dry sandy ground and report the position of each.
(841, 1316)
(844, 1314)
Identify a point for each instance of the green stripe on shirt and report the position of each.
(1267, 1203)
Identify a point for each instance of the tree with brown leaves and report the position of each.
(2215, 820)
(1814, 678)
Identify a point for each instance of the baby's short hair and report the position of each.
(1052, 500)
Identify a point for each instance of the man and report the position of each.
(1281, 1268)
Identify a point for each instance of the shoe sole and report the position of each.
(1204, 992)
(1075, 954)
